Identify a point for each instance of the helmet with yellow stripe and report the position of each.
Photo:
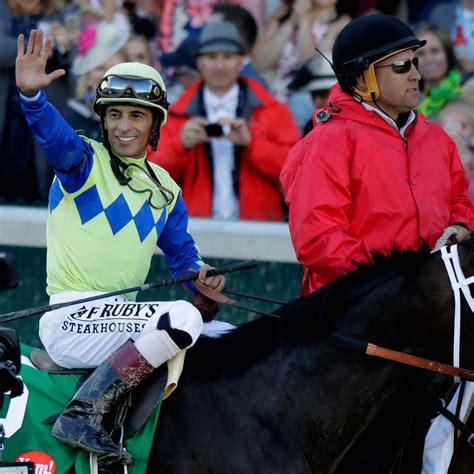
(363, 43)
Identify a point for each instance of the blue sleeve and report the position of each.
(66, 152)
(177, 243)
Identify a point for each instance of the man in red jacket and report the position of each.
(373, 174)
(226, 137)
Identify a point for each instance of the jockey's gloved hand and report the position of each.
(207, 307)
(453, 234)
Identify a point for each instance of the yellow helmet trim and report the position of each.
(373, 92)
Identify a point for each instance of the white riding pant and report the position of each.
(85, 335)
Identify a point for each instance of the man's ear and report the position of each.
(361, 83)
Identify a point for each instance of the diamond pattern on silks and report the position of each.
(144, 221)
(119, 214)
(161, 223)
(55, 195)
(89, 204)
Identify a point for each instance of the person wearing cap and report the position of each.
(248, 30)
(108, 209)
(227, 137)
(374, 174)
(315, 78)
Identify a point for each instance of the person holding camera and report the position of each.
(227, 137)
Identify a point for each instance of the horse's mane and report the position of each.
(302, 320)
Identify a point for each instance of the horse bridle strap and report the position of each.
(427, 364)
(373, 350)
(459, 283)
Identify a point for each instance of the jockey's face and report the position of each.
(128, 129)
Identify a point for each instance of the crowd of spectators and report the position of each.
(282, 59)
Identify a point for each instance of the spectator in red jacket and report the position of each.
(373, 174)
(226, 137)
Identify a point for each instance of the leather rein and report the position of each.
(458, 283)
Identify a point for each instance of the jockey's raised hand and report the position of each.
(30, 67)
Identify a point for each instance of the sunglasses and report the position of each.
(131, 87)
(402, 66)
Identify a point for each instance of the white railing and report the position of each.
(265, 241)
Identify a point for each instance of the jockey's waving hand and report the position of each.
(30, 65)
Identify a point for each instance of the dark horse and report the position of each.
(276, 396)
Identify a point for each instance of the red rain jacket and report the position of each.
(273, 132)
(355, 186)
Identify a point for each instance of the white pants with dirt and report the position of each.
(85, 335)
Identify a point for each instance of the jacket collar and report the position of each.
(344, 105)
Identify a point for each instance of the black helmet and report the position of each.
(366, 40)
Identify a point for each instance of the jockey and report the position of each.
(373, 174)
(108, 209)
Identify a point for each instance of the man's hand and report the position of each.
(461, 234)
(214, 282)
(193, 133)
(453, 234)
(239, 132)
(206, 306)
(30, 68)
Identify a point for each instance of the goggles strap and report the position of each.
(117, 165)
(167, 194)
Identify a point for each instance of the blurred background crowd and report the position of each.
(278, 39)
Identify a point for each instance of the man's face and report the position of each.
(128, 129)
(220, 70)
(399, 93)
(433, 59)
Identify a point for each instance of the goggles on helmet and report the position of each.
(128, 87)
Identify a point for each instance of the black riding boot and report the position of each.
(80, 424)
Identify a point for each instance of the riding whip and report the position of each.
(361, 346)
(245, 265)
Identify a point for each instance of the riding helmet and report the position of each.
(365, 41)
(133, 71)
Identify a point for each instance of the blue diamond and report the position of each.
(55, 195)
(118, 214)
(88, 204)
(144, 221)
(161, 223)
